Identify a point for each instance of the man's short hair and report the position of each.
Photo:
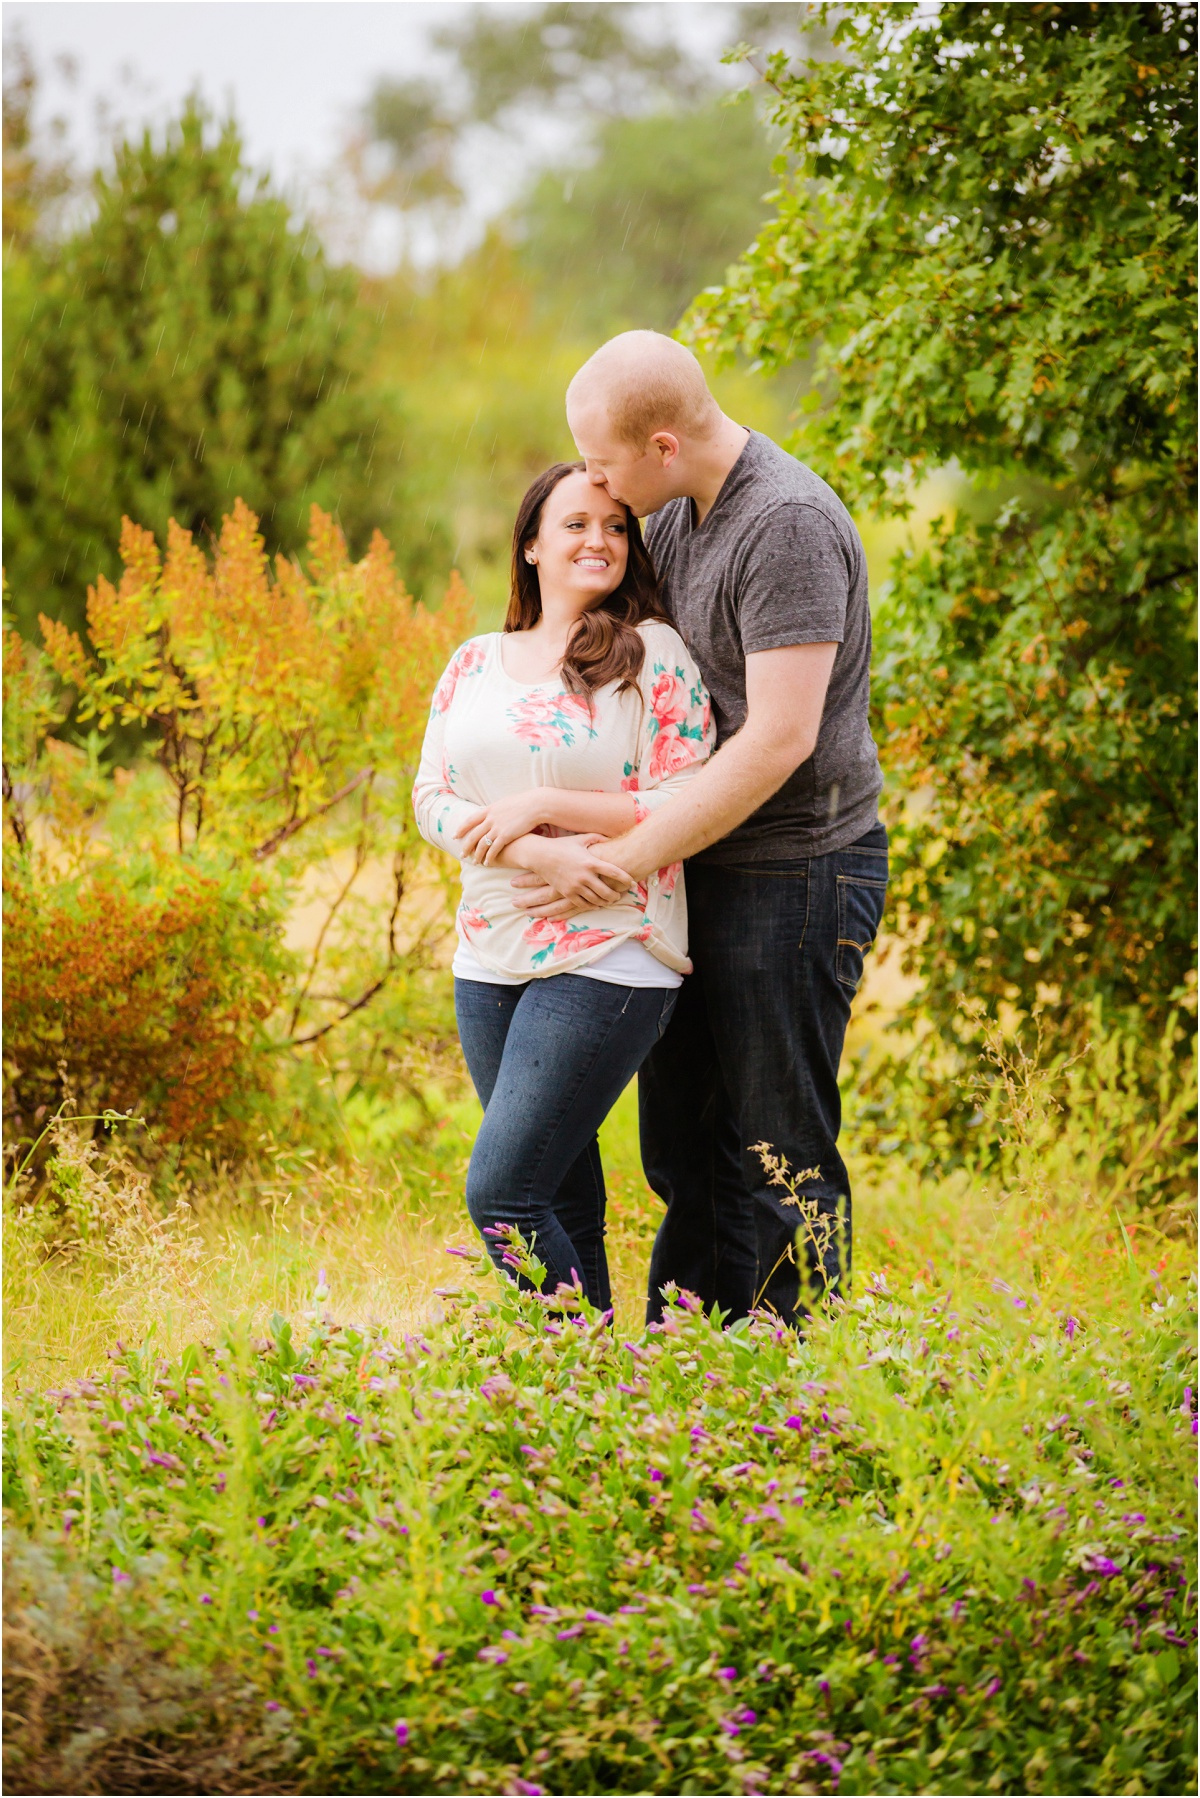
(646, 383)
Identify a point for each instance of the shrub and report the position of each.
(989, 249)
(149, 981)
(284, 709)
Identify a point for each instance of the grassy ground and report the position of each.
(312, 1506)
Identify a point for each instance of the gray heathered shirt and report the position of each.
(778, 561)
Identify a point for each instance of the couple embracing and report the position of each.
(661, 784)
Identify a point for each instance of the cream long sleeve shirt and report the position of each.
(490, 736)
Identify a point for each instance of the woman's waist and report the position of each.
(489, 892)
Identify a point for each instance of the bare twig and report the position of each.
(280, 836)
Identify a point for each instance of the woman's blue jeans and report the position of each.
(548, 1061)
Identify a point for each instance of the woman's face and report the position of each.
(582, 545)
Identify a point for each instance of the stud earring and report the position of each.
(529, 556)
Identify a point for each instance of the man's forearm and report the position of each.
(740, 777)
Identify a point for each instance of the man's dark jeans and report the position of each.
(751, 1056)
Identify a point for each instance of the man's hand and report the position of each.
(566, 875)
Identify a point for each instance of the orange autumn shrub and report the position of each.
(282, 707)
(147, 984)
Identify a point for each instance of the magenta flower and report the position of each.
(655, 1474)
(1071, 1325)
(400, 1730)
(727, 1673)
(992, 1688)
(273, 1705)
(205, 1598)
(121, 1578)
(794, 1423)
(489, 1597)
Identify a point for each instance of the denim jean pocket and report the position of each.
(670, 997)
(859, 908)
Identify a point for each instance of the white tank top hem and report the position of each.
(629, 964)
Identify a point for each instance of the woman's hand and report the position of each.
(489, 831)
(579, 875)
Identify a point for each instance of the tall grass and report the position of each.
(349, 1534)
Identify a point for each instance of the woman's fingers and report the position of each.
(501, 835)
(473, 833)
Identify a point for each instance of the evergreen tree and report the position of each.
(188, 347)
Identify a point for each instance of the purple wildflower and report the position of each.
(656, 1474)
(1102, 1564)
(205, 1598)
(400, 1730)
(273, 1705)
(121, 1578)
(253, 1616)
(523, 1788)
(1071, 1325)
(311, 1666)
(489, 1597)
(565, 1635)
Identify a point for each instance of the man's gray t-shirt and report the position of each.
(778, 561)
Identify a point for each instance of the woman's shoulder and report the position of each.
(664, 646)
(468, 659)
(661, 636)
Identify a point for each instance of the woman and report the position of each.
(584, 713)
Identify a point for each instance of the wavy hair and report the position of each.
(606, 644)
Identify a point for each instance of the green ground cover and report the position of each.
(388, 1539)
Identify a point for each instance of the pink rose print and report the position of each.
(645, 933)
(668, 700)
(667, 878)
(472, 919)
(556, 938)
(467, 660)
(551, 720)
(671, 752)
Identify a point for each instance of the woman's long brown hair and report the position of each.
(606, 644)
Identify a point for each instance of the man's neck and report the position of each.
(710, 463)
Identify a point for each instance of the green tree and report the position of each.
(189, 346)
(991, 243)
(666, 205)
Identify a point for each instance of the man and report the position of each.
(764, 577)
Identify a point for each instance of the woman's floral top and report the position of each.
(490, 736)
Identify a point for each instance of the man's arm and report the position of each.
(785, 698)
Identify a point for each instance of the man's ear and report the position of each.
(666, 446)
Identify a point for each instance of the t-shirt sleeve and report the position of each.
(794, 582)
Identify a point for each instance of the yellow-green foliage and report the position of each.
(378, 1542)
(284, 708)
